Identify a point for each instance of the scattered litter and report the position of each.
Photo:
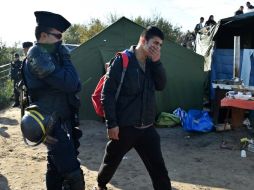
(251, 147)
(246, 122)
(224, 145)
(243, 154)
(222, 127)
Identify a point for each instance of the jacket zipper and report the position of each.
(141, 114)
(138, 78)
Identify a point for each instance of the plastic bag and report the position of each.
(197, 120)
(167, 120)
(179, 112)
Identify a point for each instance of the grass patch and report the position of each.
(6, 93)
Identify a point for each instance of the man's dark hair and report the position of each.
(40, 29)
(202, 18)
(152, 31)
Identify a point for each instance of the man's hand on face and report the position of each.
(113, 133)
(154, 48)
(154, 53)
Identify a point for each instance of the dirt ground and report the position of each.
(194, 161)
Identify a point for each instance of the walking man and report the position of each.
(130, 119)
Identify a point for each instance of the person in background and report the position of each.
(239, 11)
(199, 25)
(130, 120)
(210, 21)
(24, 100)
(15, 77)
(26, 46)
(250, 7)
(52, 83)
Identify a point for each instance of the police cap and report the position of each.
(27, 44)
(52, 20)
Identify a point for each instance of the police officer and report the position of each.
(24, 100)
(26, 46)
(52, 84)
(15, 76)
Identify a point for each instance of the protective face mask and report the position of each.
(52, 48)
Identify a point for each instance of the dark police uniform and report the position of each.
(15, 76)
(52, 83)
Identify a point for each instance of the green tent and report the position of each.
(184, 68)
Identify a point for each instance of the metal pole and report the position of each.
(236, 65)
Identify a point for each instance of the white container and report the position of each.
(243, 154)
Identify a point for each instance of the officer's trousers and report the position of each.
(16, 92)
(63, 164)
(147, 144)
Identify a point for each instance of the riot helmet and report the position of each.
(36, 125)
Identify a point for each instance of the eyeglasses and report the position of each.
(57, 36)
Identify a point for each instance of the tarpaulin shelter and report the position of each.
(222, 59)
(184, 67)
(219, 43)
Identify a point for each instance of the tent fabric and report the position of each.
(247, 72)
(184, 68)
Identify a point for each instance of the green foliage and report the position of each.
(5, 56)
(95, 27)
(6, 93)
(171, 32)
(78, 33)
(112, 18)
(6, 53)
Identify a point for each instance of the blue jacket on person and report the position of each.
(52, 80)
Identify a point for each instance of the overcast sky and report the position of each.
(17, 21)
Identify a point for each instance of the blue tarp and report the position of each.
(222, 66)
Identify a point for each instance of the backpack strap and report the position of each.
(125, 62)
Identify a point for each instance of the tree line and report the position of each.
(80, 33)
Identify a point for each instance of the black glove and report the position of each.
(40, 62)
